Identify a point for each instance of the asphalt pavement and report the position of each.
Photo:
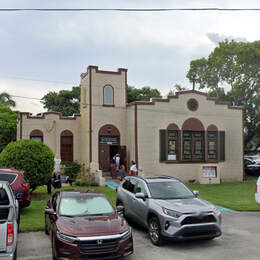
(240, 240)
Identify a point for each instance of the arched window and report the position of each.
(108, 95)
(193, 140)
(66, 146)
(37, 135)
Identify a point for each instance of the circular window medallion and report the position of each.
(192, 104)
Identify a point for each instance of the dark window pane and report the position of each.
(7, 177)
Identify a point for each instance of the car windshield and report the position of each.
(85, 205)
(169, 190)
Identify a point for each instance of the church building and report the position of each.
(190, 135)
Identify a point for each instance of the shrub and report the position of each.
(72, 169)
(33, 157)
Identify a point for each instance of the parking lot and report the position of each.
(240, 240)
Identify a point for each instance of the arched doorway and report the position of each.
(109, 146)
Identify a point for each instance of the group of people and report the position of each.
(118, 170)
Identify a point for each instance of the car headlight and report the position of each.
(69, 239)
(127, 233)
(216, 210)
(172, 213)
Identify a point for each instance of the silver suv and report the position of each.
(9, 218)
(168, 209)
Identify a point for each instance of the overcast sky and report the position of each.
(47, 51)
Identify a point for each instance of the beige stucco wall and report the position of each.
(51, 126)
(161, 114)
(102, 115)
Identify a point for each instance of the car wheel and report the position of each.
(52, 248)
(45, 227)
(15, 254)
(155, 231)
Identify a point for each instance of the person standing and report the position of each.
(117, 160)
(122, 172)
(133, 169)
(113, 169)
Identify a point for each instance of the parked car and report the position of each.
(9, 218)
(19, 184)
(85, 225)
(257, 193)
(168, 209)
(255, 158)
(252, 165)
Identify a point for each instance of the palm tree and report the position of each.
(5, 99)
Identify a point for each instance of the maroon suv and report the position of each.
(19, 185)
(85, 225)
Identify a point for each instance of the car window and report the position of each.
(10, 177)
(170, 190)
(129, 185)
(85, 205)
(141, 187)
(24, 180)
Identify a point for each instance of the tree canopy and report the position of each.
(5, 99)
(232, 73)
(7, 126)
(67, 102)
(143, 94)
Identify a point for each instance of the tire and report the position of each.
(15, 254)
(52, 248)
(155, 231)
(46, 231)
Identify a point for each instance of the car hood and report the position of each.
(186, 205)
(91, 226)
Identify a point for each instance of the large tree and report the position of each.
(67, 102)
(7, 126)
(232, 73)
(143, 94)
(5, 99)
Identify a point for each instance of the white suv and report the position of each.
(257, 194)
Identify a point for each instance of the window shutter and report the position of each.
(222, 146)
(162, 145)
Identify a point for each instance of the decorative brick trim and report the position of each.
(108, 130)
(173, 127)
(154, 100)
(193, 124)
(118, 72)
(44, 114)
(212, 128)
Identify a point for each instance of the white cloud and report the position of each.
(156, 48)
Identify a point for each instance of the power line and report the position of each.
(124, 9)
(39, 80)
(26, 97)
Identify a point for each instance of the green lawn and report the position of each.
(238, 196)
(233, 195)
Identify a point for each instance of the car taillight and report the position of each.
(26, 185)
(10, 234)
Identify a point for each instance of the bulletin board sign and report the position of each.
(209, 171)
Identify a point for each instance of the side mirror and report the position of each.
(140, 195)
(49, 211)
(196, 193)
(120, 210)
